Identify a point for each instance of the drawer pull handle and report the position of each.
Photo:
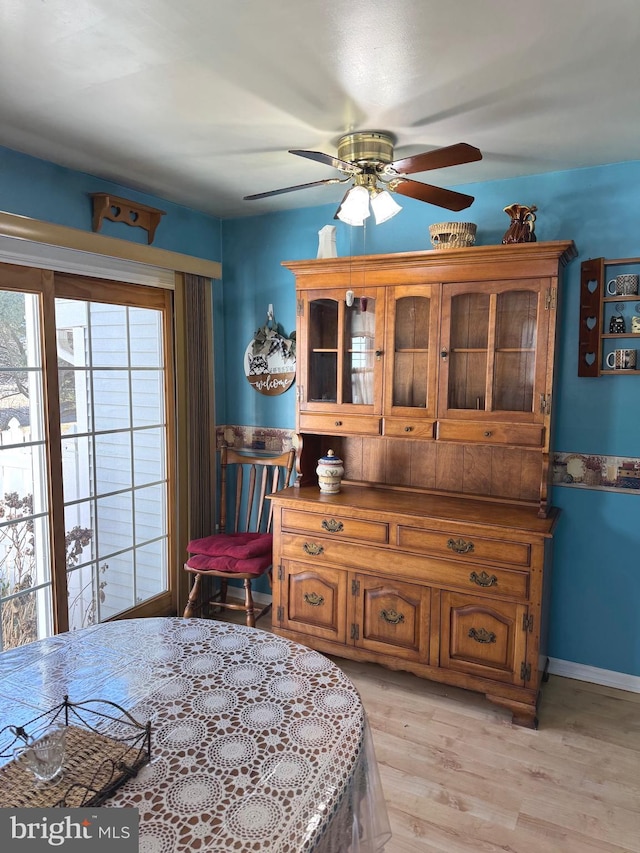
(460, 546)
(313, 599)
(481, 635)
(392, 616)
(338, 423)
(332, 526)
(487, 433)
(408, 429)
(312, 549)
(483, 579)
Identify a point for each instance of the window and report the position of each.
(85, 473)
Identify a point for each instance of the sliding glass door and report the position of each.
(85, 472)
(26, 607)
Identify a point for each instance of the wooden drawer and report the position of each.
(339, 424)
(339, 526)
(497, 583)
(526, 435)
(467, 547)
(408, 428)
(320, 551)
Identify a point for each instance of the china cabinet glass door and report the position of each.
(411, 345)
(490, 358)
(343, 354)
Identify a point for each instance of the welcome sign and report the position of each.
(270, 361)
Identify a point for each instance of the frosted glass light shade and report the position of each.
(355, 207)
(384, 206)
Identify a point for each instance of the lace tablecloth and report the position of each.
(258, 743)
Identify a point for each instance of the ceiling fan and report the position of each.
(366, 159)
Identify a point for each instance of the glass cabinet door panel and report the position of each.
(470, 321)
(467, 355)
(323, 351)
(514, 366)
(412, 322)
(410, 371)
(323, 377)
(323, 324)
(359, 355)
(467, 380)
(411, 351)
(514, 374)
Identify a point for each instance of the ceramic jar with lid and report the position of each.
(330, 470)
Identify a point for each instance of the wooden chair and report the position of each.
(242, 547)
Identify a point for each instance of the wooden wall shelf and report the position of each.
(116, 209)
(594, 300)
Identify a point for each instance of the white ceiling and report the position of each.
(198, 101)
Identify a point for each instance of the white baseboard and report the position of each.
(605, 677)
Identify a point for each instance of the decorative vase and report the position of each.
(329, 471)
(522, 225)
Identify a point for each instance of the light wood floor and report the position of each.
(459, 778)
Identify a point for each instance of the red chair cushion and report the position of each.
(224, 563)
(242, 546)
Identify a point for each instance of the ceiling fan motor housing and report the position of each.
(371, 147)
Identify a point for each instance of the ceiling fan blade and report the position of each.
(292, 189)
(319, 157)
(452, 155)
(450, 199)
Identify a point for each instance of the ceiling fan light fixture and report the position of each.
(355, 207)
(384, 206)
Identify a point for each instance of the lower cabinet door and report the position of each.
(314, 601)
(390, 617)
(483, 637)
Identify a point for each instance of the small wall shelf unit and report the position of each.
(596, 309)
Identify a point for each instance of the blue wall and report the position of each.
(596, 582)
(41, 190)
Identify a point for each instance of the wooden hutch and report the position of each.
(431, 375)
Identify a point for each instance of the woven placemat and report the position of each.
(93, 765)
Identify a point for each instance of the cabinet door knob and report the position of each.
(444, 355)
(378, 354)
(313, 599)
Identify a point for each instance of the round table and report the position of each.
(257, 742)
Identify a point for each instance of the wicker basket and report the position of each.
(452, 235)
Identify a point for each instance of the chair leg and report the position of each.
(248, 604)
(192, 601)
